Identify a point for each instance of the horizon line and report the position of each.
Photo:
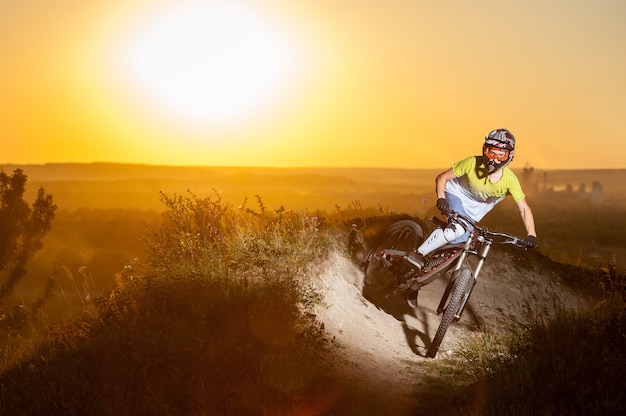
(140, 164)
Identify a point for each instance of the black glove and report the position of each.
(530, 242)
(443, 205)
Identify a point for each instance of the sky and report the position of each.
(338, 83)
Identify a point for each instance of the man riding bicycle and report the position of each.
(472, 187)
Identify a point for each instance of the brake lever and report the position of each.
(516, 241)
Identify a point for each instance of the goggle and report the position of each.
(495, 153)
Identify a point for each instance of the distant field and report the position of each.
(138, 186)
(106, 185)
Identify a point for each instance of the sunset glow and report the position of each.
(310, 83)
(207, 64)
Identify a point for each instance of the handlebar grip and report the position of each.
(530, 242)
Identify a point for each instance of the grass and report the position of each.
(217, 321)
(551, 359)
(573, 364)
(174, 346)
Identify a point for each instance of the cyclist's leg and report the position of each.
(457, 205)
(439, 237)
(453, 233)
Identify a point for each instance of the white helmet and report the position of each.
(498, 149)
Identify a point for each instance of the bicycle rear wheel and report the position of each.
(381, 275)
(462, 285)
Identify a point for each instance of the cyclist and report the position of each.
(472, 187)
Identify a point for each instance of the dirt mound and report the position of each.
(383, 341)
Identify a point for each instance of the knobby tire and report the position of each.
(402, 235)
(461, 286)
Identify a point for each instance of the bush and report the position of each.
(201, 236)
(164, 346)
(22, 229)
(550, 359)
(217, 323)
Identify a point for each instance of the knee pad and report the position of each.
(453, 231)
(439, 237)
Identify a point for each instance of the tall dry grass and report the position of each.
(550, 358)
(215, 321)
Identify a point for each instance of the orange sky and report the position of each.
(394, 83)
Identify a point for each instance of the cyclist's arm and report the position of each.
(527, 217)
(440, 182)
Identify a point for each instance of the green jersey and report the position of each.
(478, 194)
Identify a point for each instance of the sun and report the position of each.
(208, 63)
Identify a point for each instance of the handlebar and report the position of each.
(508, 239)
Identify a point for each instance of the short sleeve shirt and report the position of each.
(477, 193)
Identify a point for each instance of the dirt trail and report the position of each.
(384, 345)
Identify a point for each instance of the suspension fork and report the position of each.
(457, 267)
(482, 256)
(466, 250)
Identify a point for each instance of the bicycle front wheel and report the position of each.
(462, 285)
(382, 275)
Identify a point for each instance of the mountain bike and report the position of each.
(389, 267)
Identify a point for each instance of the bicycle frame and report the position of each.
(418, 281)
(451, 257)
(396, 266)
(485, 246)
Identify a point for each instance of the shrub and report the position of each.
(206, 237)
(550, 359)
(218, 323)
(22, 229)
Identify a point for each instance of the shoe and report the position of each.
(411, 298)
(416, 259)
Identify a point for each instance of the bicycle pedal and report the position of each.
(416, 259)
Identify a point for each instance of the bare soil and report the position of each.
(383, 342)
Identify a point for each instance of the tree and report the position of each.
(22, 228)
